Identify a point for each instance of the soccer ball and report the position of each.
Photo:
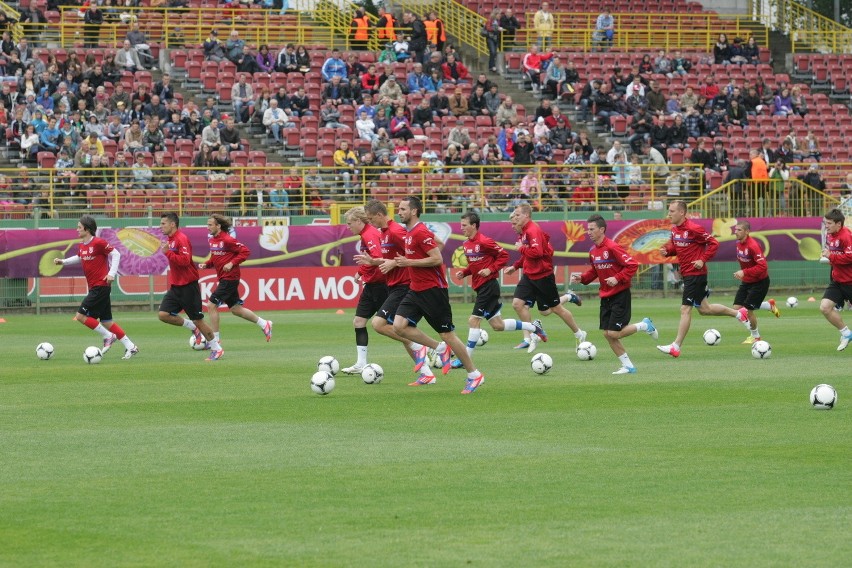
(92, 355)
(372, 374)
(433, 359)
(328, 364)
(712, 337)
(761, 350)
(198, 346)
(44, 351)
(586, 351)
(322, 382)
(483, 338)
(541, 363)
(823, 397)
(792, 302)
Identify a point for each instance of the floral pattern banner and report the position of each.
(30, 253)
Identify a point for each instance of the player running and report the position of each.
(838, 252)
(614, 268)
(100, 266)
(226, 255)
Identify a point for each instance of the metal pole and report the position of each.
(37, 285)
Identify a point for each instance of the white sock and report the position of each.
(754, 333)
(641, 326)
(214, 345)
(564, 298)
(188, 324)
(105, 333)
(845, 331)
(216, 336)
(441, 348)
(261, 323)
(739, 316)
(676, 346)
(415, 346)
(473, 374)
(127, 343)
(473, 335)
(625, 360)
(427, 370)
(362, 355)
(578, 334)
(765, 306)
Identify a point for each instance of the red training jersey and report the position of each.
(610, 259)
(418, 242)
(536, 252)
(224, 249)
(94, 256)
(752, 262)
(840, 255)
(181, 269)
(393, 244)
(371, 245)
(690, 242)
(483, 252)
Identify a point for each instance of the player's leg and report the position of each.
(833, 296)
(96, 309)
(614, 321)
(115, 330)
(435, 304)
(547, 298)
(695, 292)
(170, 307)
(408, 314)
(522, 309)
(265, 325)
(215, 317)
(372, 297)
(190, 300)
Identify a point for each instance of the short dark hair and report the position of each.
(414, 203)
(597, 220)
(89, 224)
(472, 218)
(836, 215)
(375, 207)
(171, 216)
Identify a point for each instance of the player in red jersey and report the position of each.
(837, 252)
(693, 247)
(183, 293)
(100, 265)
(428, 297)
(375, 289)
(485, 260)
(398, 280)
(226, 255)
(614, 269)
(538, 283)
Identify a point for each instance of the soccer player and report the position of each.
(398, 281)
(184, 293)
(375, 290)
(100, 265)
(614, 268)
(538, 283)
(428, 297)
(693, 247)
(485, 260)
(838, 252)
(226, 255)
(754, 275)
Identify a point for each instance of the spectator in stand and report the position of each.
(382, 145)
(139, 41)
(543, 23)
(783, 103)
(455, 72)
(435, 62)
(422, 115)
(458, 103)
(709, 123)
(133, 138)
(800, 106)
(587, 95)
(175, 127)
(680, 64)
(262, 103)
(510, 25)
(533, 63)
(264, 61)
(692, 121)
(274, 119)
(193, 125)
(300, 103)
(303, 59)
(334, 91)
(493, 32)
(719, 157)
(365, 127)
(385, 25)
(439, 36)
(663, 64)
(673, 105)
(700, 155)
(435, 81)
(678, 136)
(352, 91)
(492, 100)
(506, 114)
(641, 125)
(370, 80)
(330, 116)
(459, 136)
(656, 99)
(554, 78)
(126, 58)
(779, 174)
(210, 135)
(811, 203)
(417, 80)
(345, 162)
(736, 115)
(242, 95)
(721, 51)
(213, 48)
(359, 30)
(604, 34)
(234, 46)
(381, 119)
(606, 104)
(390, 93)
(440, 104)
(401, 49)
(334, 66)
(812, 148)
(153, 139)
(92, 22)
(156, 108)
(418, 41)
(634, 100)
(735, 52)
(400, 125)
(367, 107)
(751, 51)
(229, 134)
(477, 104)
(286, 61)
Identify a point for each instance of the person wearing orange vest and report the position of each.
(440, 33)
(385, 27)
(360, 30)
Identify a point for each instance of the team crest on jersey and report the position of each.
(606, 254)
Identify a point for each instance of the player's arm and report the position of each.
(434, 259)
(241, 251)
(114, 259)
(206, 264)
(711, 246)
(844, 257)
(180, 256)
(501, 257)
(761, 267)
(629, 265)
(67, 261)
(585, 278)
(669, 248)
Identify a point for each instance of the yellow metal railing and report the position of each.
(461, 22)
(340, 20)
(808, 30)
(647, 31)
(16, 30)
(772, 198)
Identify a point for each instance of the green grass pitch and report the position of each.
(713, 459)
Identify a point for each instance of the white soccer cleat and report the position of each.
(354, 369)
(534, 339)
(844, 341)
(581, 338)
(625, 371)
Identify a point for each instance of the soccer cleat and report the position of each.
(456, 364)
(445, 359)
(522, 345)
(582, 337)
(534, 339)
(742, 316)
(354, 369)
(539, 330)
(267, 330)
(574, 298)
(749, 340)
(108, 342)
(215, 355)
(199, 337)
(424, 380)
(128, 353)
(473, 384)
(844, 341)
(669, 350)
(652, 331)
(420, 358)
(625, 371)
(773, 307)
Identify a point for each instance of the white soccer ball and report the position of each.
(483, 338)
(197, 346)
(761, 350)
(792, 302)
(823, 397)
(328, 364)
(44, 351)
(372, 374)
(712, 337)
(92, 355)
(433, 359)
(586, 351)
(541, 363)
(322, 382)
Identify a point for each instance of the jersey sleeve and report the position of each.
(182, 255)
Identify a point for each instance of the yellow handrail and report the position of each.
(764, 198)
(461, 22)
(808, 30)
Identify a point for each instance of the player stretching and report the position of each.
(485, 260)
(183, 293)
(226, 255)
(375, 290)
(398, 280)
(428, 297)
(838, 252)
(538, 283)
(93, 253)
(754, 275)
(614, 268)
(693, 247)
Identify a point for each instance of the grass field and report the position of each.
(713, 459)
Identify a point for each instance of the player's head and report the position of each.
(415, 206)
(596, 228)
(87, 224)
(520, 216)
(834, 220)
(169, 223)
(218, 223)
(355, 219)
(742, 229)
(377, 213)
(470, 224)
(677, 211)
